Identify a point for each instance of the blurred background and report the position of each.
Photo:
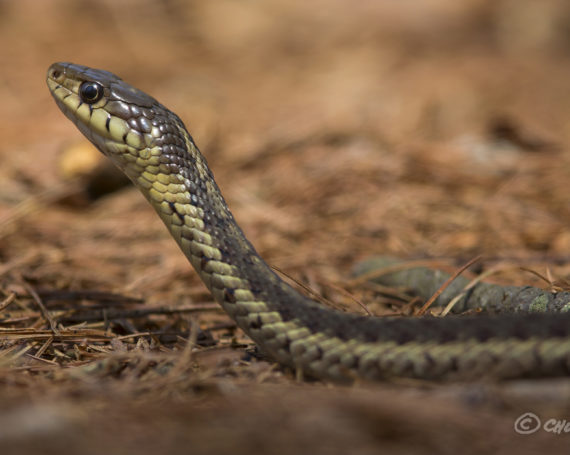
(337, 130)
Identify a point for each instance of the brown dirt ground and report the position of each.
(337, 130)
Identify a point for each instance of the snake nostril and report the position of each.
(55, 74)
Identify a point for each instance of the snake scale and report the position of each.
(151, 145)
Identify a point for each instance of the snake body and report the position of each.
(151, 145)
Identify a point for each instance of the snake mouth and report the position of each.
(64, 87)
(61, 88)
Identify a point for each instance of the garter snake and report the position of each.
(151, 145)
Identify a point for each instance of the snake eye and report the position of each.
(91, 92)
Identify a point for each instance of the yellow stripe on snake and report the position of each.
(151, 145)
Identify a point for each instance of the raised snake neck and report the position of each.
(152, 146)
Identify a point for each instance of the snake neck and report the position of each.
(187, 199)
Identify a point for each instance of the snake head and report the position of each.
(124, 123)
